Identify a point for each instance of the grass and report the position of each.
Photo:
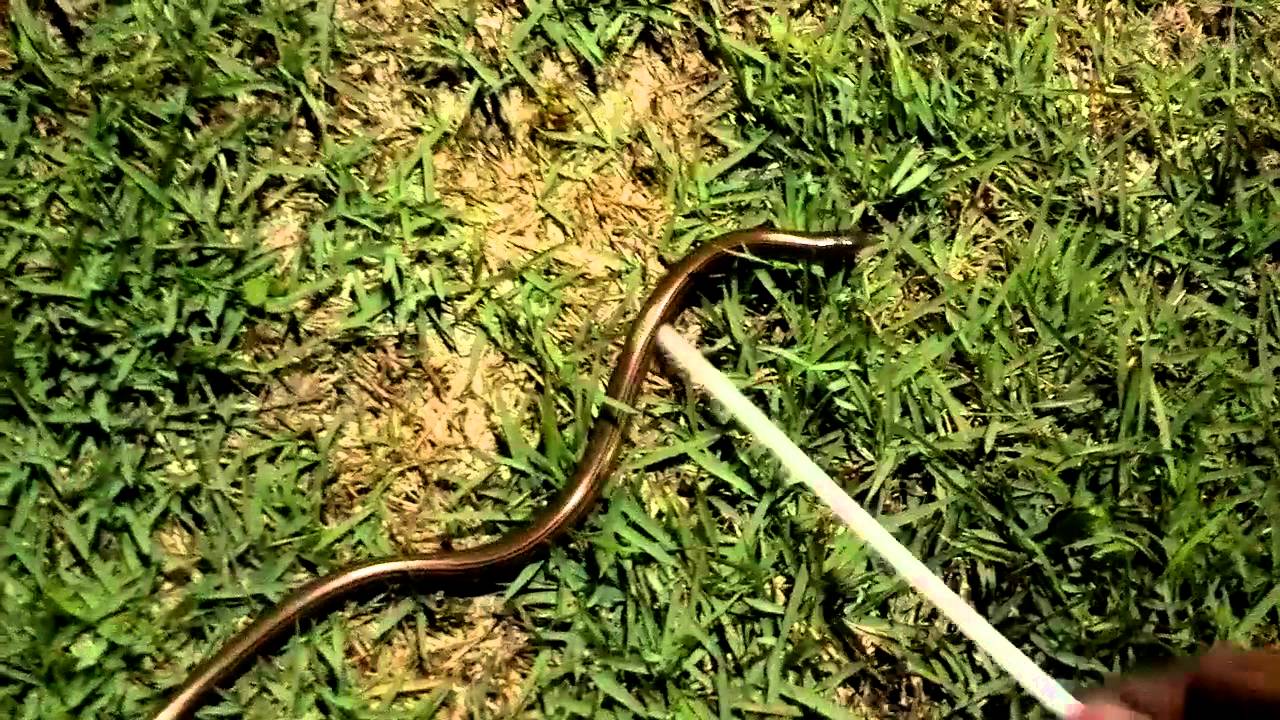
(288, 284)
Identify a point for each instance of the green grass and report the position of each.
(1058, 383)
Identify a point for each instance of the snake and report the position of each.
(458, 569)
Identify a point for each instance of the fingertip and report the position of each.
(1103, 712)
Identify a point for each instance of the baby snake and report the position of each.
(453, 569)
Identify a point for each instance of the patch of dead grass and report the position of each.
(413, 418)
(485, 646)
(423, 423)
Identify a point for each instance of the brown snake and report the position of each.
(514, 550)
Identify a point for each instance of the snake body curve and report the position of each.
(512, 551)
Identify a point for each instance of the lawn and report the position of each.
(291, 284)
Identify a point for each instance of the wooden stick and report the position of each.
(1048, 691)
